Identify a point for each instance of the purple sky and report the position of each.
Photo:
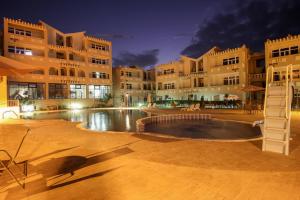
(156, 31)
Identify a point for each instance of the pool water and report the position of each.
(206, 129)
(100, 120)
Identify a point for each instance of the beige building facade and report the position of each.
(213, 76)
(71, 67)
(283, 52)
(133, 86)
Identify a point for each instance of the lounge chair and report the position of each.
(197, 107)
(191, 108)
(6, 165)
(185, 109)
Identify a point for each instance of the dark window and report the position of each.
(294, 50)
(275, 53)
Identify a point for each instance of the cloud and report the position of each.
(250, 23)
(143, 59)
(115, 36)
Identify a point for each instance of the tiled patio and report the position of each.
(68, 163)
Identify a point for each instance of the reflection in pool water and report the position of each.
(100, 120)
(209, 129)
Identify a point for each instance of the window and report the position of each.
(58, 91)
(128, 74)
(99, 91)
(59, 40)
(128, 86)
(169, 86)
(294, 50)
(11, 30)
(169, 71)
(60, 55)
(231, 80)
(20, 50)
(63, 71)
(225, 61)
(81, 73)
(19, 90)
(284, 52)
(78, 91)
(72, 72)
(69, 41)
(122, 73)
(122, 85)
(200, 82)
(53, 71)
(19, 31)
(99, 61)
(71, 57)
(100, 47)
(99, 75)
(230, 61)
(159, 86)
(193, 66)
(275, 53)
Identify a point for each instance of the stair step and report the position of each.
(275, 122)
(272, 111)
(277, 134)
(274, 146)
(277, 91)
(276, 101)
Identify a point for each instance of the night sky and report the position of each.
(146, 33)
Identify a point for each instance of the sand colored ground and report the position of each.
(68, 163)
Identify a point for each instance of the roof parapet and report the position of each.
(24, 23)
(289, 37)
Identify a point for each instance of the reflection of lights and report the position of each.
(75, 106)
(127, 122)
(28, 114)
(28, 108)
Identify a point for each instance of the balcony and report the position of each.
(257, 77)
(25, 39)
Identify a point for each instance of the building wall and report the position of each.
(87, 61)
(3, 91)
(204, 77)
(132, 85)
(284, 52)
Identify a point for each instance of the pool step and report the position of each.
(277, 146)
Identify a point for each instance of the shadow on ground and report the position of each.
(59, 172)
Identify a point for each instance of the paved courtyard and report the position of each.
(69, 163)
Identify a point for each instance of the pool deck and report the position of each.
(66, 162)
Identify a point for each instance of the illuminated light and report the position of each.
(28, 53)
(127, 122)
(28, 108)
(140, 104)
(75, 106)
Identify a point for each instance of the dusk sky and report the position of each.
(152, 32)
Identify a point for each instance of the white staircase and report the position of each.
(277, 111)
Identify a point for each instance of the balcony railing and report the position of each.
(13, 103)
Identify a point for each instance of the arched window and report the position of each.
(53, 71)
(72, 72)
(63, 71)
(81, 73)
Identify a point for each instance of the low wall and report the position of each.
(9, 112)
(141, 123)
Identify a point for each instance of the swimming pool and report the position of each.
(205, 129)
(97, 120)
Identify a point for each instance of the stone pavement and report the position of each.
(69, 163)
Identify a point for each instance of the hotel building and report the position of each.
(70, 67)
(283, 52)
(213, 76)
(133, 86)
